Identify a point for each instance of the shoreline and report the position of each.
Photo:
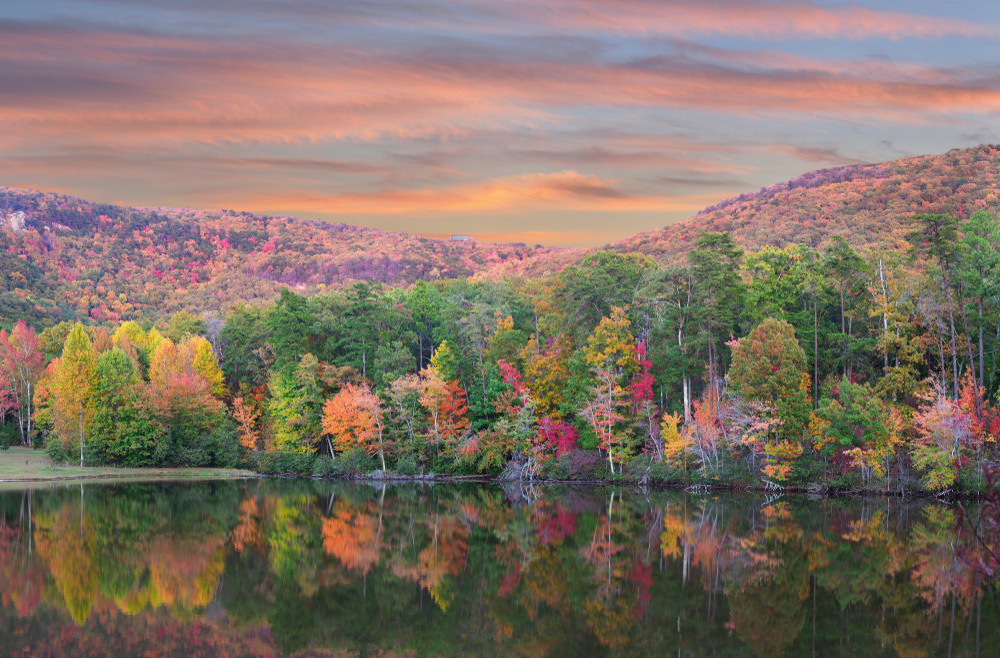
(944, 496)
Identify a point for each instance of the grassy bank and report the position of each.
(27, 465)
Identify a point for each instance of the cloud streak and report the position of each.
(770, 19)
(130, 88)
(567, 190)
(474, 109)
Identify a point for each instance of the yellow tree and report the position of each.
(546, 371)
(610, 351)
(73, 387)
(199, 351)
(433, 391)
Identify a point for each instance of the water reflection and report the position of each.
(320, 569)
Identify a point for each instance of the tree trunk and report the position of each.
(815, 354)
(972, 361)
(982, 376)
(686, 384)
(944, 383)
(31, 443)
(843, 329)
(954, 343)
(81, 440)
(611, 398)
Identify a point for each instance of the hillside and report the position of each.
(869, 205)
(62, 257)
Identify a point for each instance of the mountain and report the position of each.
(869, 205)
(62, 257)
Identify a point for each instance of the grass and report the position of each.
(27, 465)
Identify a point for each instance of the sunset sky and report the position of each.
(561, 122)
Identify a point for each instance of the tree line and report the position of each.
(795, 365)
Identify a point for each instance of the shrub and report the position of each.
(637, 467)
(666, 474)
(284, 463)
(224, 444)
(355, 461)
(55, 450)
(407, 465)
(578, 465)
(325, 467)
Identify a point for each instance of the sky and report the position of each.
(556, 122)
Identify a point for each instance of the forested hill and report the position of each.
(870, 205)
(62, 257)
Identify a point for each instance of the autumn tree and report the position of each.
(21, 364)
(611, 353)
(182, 400)
(73, 388)
(355, 418)
(247, 416)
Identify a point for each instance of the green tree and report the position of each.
(980, 274)
(769, 367)
(183, 324)
(123, 430)
(586, 292)
(424, 302)
(719, 294)
(937, 238)
(845, 270)
(247, 354)
(290, 325)
(296, 406)
(667, 298)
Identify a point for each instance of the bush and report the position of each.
(578, 465)
(355, 461)
(9, 435)
(806, 470)
(285, 463)
(637, 467)
(56, 451)
(666, 474)
(224, 444)
(407, 465)
(325, 467)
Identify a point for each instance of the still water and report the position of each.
(318, 568)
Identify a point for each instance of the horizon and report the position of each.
(568, 123)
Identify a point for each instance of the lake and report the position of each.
(324, 568)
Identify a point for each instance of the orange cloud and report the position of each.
(773, 20)
(449, 122)
(80, 86)
(567, 190)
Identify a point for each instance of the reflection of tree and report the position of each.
(609, 609)
(130, 551)
(444, 555)
(352, 538)
(66, 546)
(314, 568)
(768, 615)
(290, 542)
